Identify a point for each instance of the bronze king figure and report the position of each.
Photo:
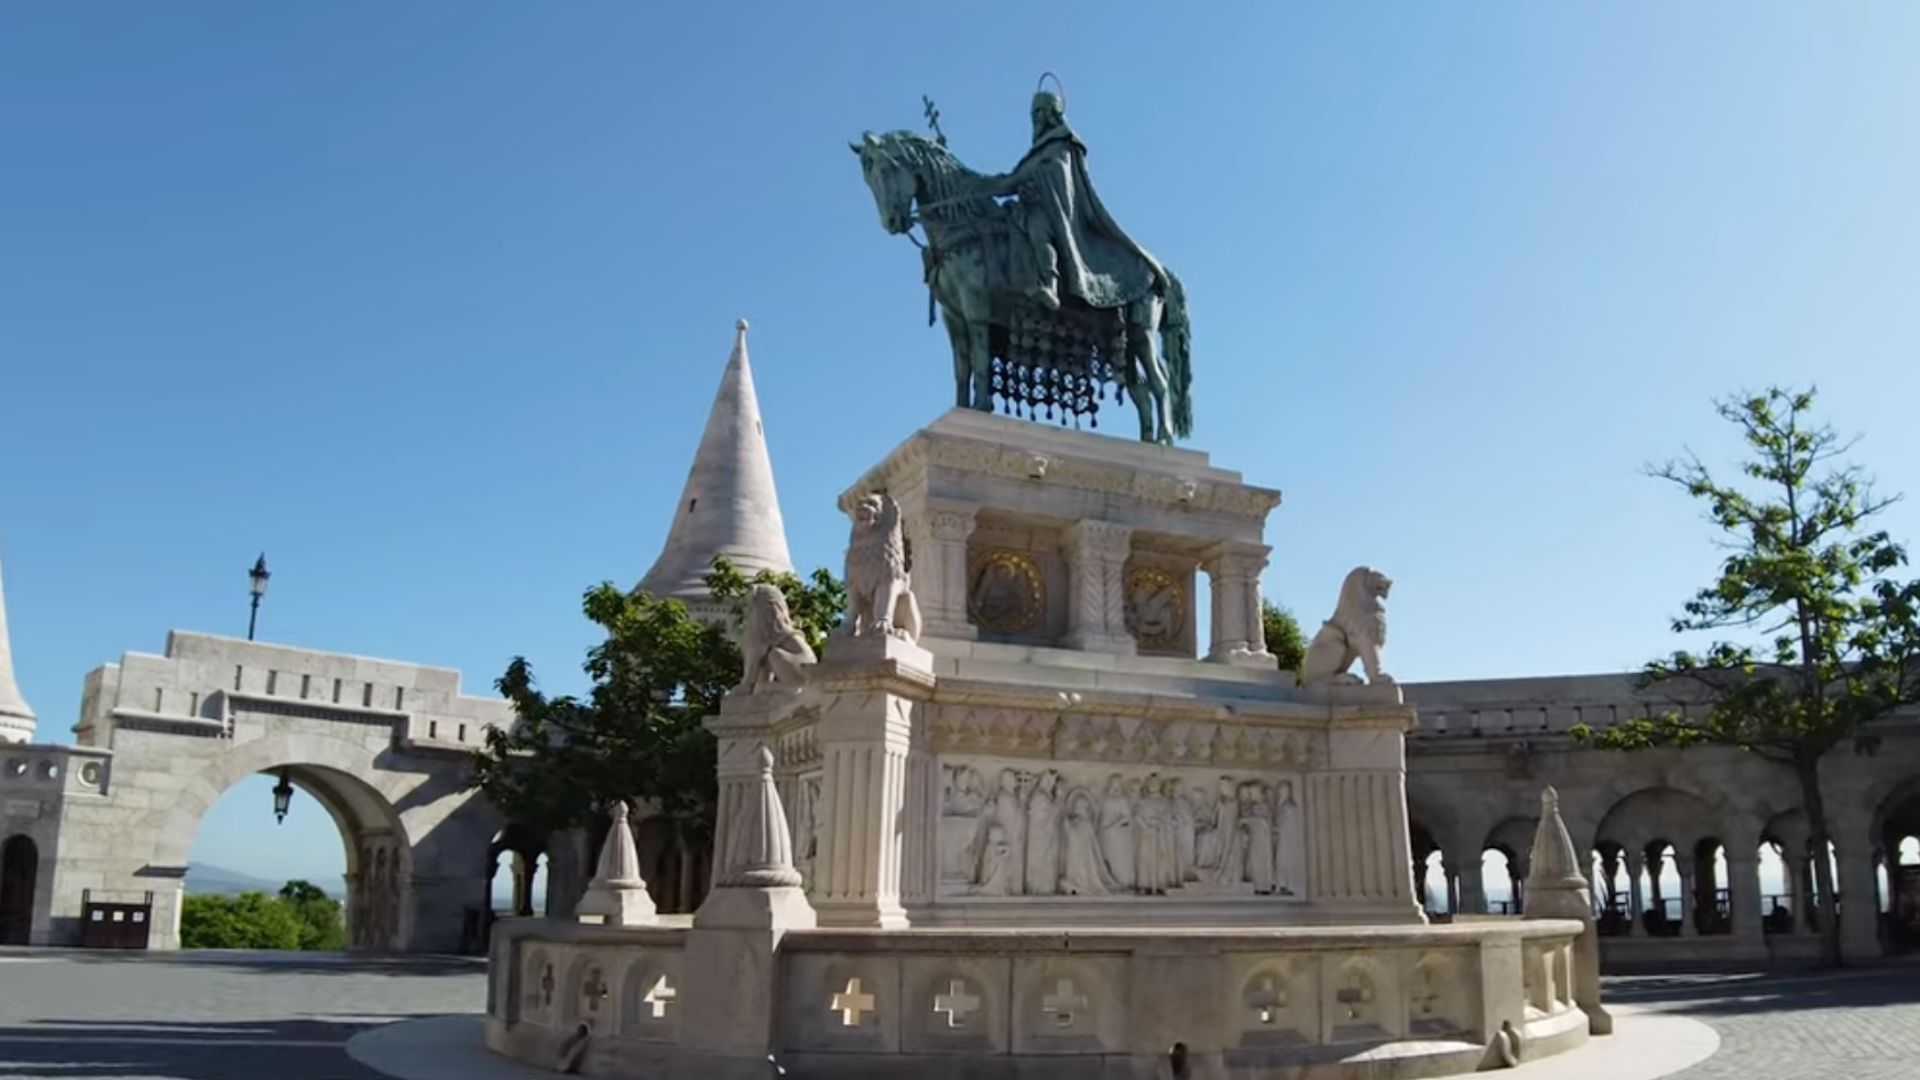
(1047, 300)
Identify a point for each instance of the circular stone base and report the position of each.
(1300, 1003)
(1644, 1046)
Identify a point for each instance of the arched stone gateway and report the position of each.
(379, 855)
(384, 747)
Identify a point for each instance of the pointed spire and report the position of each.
(617, 893)
(16, 718)
(729, 506)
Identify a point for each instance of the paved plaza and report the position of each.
(238, 1016)
(213, 1015)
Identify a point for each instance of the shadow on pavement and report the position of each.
(303, 1049)
(1725, 993)
(290, 963)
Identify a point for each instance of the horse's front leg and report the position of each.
(962, 346)
(982, 357)
(977, 307)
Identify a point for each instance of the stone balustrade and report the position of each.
(1291, 1002)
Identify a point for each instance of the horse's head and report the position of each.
(891, 175)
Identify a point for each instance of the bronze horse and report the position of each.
(1047, 359)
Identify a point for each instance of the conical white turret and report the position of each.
(728, 506)
(16, 719)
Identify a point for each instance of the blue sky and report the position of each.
(427, 301)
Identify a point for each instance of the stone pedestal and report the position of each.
(873, 777)
(1358, 837)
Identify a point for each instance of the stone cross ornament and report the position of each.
(1048, 303)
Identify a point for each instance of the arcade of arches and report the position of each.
(1701, 854)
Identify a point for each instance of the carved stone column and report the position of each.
(1743, 896)
(1859, 906)
(1688, 878)
(1096, 592)
(1472, 884)
(1636, 903)
(874, 786)
(939, 535)
(1239, 636)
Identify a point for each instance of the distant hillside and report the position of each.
(219, 881)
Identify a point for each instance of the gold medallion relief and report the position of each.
(1156, 607)
(1006, 592)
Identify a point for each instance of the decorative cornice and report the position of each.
(1006, 462)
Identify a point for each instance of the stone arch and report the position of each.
(1629, 784)
(1681, 818)
(1896, 806)
(342, 777)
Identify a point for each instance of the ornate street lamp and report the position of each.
(257, 587)
(282, 798)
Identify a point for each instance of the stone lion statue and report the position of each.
(775, 650)
(1358, 630)
(879, 598)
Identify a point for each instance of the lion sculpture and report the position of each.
(776, 651)
(1358, 630)
(879, 598)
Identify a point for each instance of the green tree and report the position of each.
(252, 920)
(1284, 639)
(1831, 644)
(636, 734)
(321, 925)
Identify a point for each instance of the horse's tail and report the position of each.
(1177, 339)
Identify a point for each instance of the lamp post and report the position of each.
(257, 587)
(282, 798)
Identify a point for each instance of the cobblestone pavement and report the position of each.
(212, 1015)
(1854, 1024)
(242, 1016)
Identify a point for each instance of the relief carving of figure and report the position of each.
(1357, 631)
(997, 864)
(962, 823)
(1180, 815)
(1256, 818)
(1289, 859)
(1083, 872)
(775, 651)
(1154, 864)
(1116, 833)
(1010, 817)
(1043, 836)
(879, 594)
(1214, 848)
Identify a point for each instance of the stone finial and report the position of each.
(763, 853)
(617, 893)
(16, 718)
(1553, 863)
(1557, 889)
